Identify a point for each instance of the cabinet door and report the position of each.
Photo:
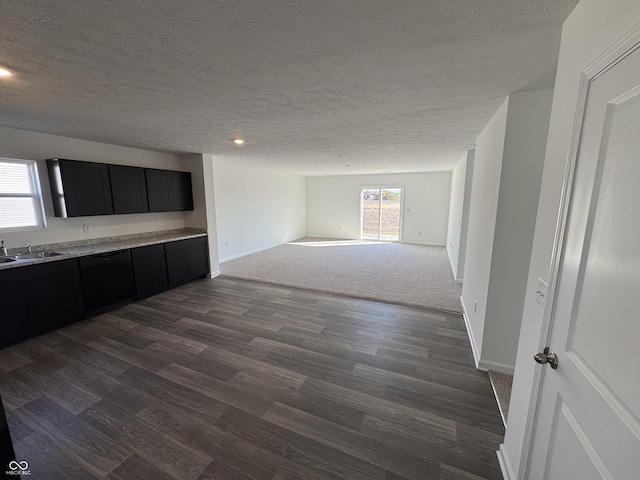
(57, 295)
(149, 270)
(86, 189)
(158, 187)
(128, 189)
(181, 193)
(177, 267)
(38, 298)
(197, 261)
(15, 316)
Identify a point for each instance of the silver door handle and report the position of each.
(546, 357)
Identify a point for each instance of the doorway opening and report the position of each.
(380, 213)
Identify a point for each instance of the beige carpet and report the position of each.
(413, 275)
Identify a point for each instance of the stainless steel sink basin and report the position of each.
(36, 255)
(7, 259)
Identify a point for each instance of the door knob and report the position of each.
(546, 357)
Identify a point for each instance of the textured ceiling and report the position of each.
(313, 85)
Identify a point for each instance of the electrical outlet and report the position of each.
(475, 306)
(86, 228)
(159, 221)
(226, 244)
(338, 228)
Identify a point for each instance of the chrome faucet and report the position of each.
(27, 248)
(3, 248)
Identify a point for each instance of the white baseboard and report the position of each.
(496, 367)
(330, 237)
(505, 465)
(426, 244)
(244, 254)
(214, 274)
(460, 281)
(472, 340)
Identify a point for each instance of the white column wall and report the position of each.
(482, 220)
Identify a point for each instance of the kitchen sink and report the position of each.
(36, 255)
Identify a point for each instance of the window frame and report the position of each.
(35, 195)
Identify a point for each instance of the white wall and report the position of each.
(458, 223)
(525, 144)
(464, 231)
(256, 209)
(589, 30)
(27, 145)
(504, 197)
(482, 219)
(333, 205)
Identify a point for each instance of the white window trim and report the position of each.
(36, 195)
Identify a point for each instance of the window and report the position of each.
(20, 196)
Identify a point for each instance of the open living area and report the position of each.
(319, 240)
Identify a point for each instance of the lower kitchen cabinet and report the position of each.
(149, 270)
(56, 292)
(35, 299)
(186, 260)
(16, 319)
(38, 298)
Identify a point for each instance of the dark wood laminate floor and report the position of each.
(229, 379)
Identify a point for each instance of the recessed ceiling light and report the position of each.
(4, 72)
(238, 141)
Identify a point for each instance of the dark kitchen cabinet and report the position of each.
(128, 189)
(42, 297)
(15, 315)
(198, 259)
(79, 188)
(149, 270)
(186, 260)
(85, 189)
(158, 188)
(56, 293)
(181, 191)
(38, 298)
(169, 191)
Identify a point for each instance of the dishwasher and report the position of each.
(107, 281)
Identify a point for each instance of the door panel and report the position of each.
(588, 425)
(568, 433)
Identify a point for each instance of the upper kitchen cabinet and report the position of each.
(181, 193)
(84, 189)
(79, 188)
(128, 189)
(169, 190)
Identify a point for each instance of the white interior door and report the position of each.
(588, 423)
